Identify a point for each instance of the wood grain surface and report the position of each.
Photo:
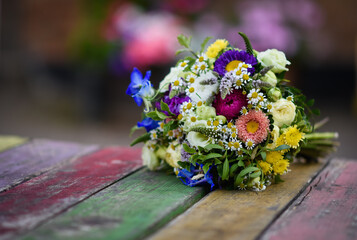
(238, 214)
(129, 209)
(36, 157)
(326, 210)
(28, 204)
(7, 142)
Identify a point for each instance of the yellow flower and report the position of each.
(266, 167)
(216, 47)
(281, 141)
(273, 157)
(281, 166)
(293, 136)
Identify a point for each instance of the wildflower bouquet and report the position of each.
(226, 117)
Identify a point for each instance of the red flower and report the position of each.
(231, 105)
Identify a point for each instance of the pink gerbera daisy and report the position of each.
(253, 126)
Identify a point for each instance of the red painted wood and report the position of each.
(326, 210)
(25, 206)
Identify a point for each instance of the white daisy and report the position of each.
(249, 144)
(182, 65)
(254, 96)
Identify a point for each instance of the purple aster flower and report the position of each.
(173, 103)
(231, 105)
(148, 124)
(233, 58)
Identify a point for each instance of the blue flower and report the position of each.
(148, 124)
(186, 177)
(140, 87)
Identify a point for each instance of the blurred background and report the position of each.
(65, 64)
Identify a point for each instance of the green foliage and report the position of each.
(248, 46)
(143, 138)
(282, 147)
(184, 41)
(240, 176)
(188, 149)
(204, 43)
(225, 171)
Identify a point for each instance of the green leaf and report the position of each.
(316, 111)
(184, 41)
(205, 168)
(277, 179)
(255, 174)
(217, 161)
(254, 152)
(264, 155)
(241, 163)
(233, 168)
(188, 149)
(161, 115)
(204, 43)
(165, 107)
(133, 129)
(212, 155)
(153, 115)
(181, 51)
(142, 138)
(242, 173)
(281, 147)
(209, 147)
(248, 46)
(311, 102)
(225, 173)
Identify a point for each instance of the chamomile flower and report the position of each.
(195, 68)
(244, 111)
(237, 145)
(186, 108)
(191, 79)
(249, 144)
(254, 96)
(268, 106)
(238, 83)
(161, 127)
(182, 65)
(201, 58)
(202, 67)
(177, 84)
(153, 134)
(290, 98)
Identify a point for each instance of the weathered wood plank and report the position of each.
(7, 142)
(326, 210)
(25, 206)
(238, 214)
(130, 209)
(35, 157)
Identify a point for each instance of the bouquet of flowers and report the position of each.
(226, 117)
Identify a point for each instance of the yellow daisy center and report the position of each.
(201, 59)
(238, 82)
(239, 72)
(250, 144)
(245, 65)
(230, 144)
(232, 65)
(236, 145)
(215, 123)
(203, 67)
(252, 126)
(209, 123)
(199, 103)
(245, 77)
(179, 117)
(230, 125)
(234, 135)
(191, 90)
(254, 95)
(189, 105)
(183, 64)
(192, 80)
(176, 83)
(170, 133)
(193, 119)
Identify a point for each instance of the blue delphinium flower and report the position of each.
(148, 124)
(186, 177)
(139, 87)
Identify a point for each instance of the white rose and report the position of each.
(173, 155)
(198, 139)
(204, 92)
(275, 58)
(175, 73)
(150, 159)
(270, 78)
(283, 112)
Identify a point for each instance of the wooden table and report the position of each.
(62, 190)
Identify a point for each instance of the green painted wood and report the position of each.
(130, 209)
(7, 142)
